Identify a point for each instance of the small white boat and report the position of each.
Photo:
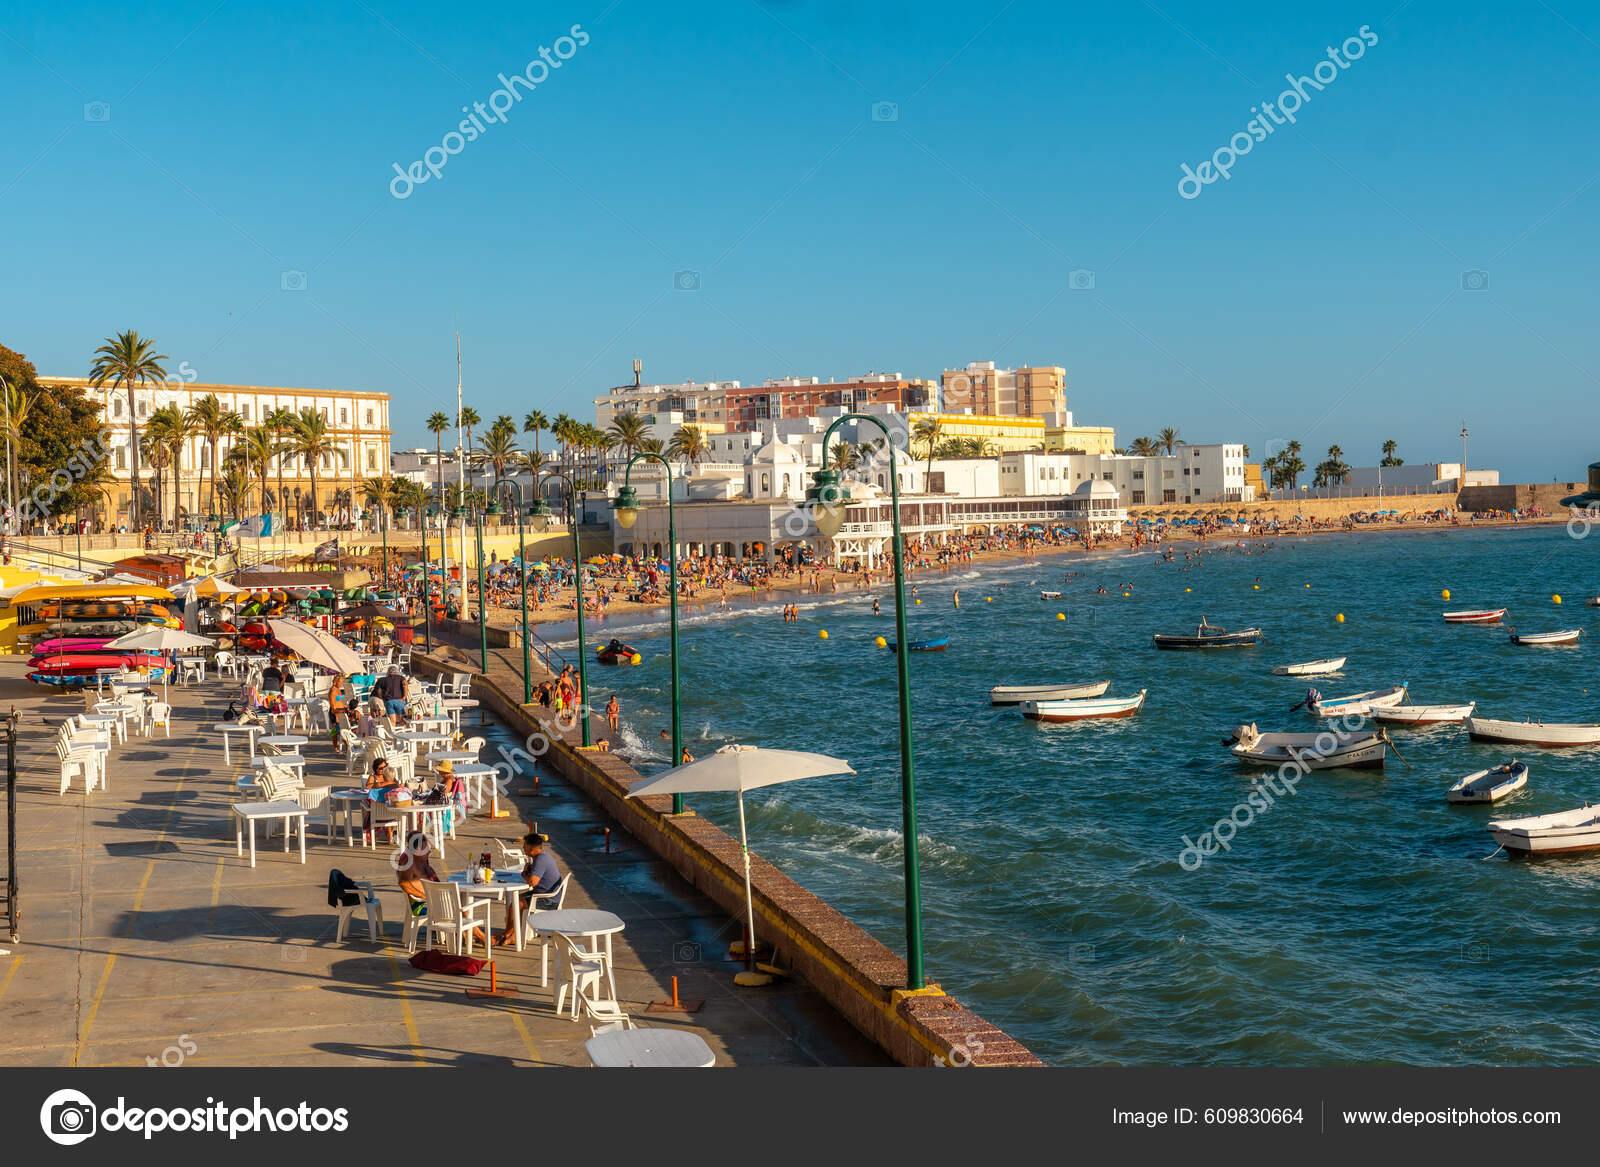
(1358, 703)
(1017, 694)
(1049, 595)
(1311, 668)
(1566, 636)
(1329, 750)
(1087, 709)
(1533, 733)
(1593, 601)
(1562, 833)
(1475, 616)
(1423, 714)
(1490, 785)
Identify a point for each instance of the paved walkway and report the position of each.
(145, 938)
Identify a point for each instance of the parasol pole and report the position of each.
(749, 900)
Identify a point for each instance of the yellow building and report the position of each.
(1001, 433)
(358, 425)
(1252, 477)
(1090, 439)
(1028, 391)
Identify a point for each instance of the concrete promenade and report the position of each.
(144, 936)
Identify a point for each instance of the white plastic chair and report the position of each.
(553, 901)
(159, 714)
(227, 665)
(605, 1011)
(318, 715)
(77, 761)
(585, 968)
(368, 904)
(449, 917)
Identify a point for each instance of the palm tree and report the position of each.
(499, 448)
(651, 446)
(234, 486)
(281, 423)
(125, 361)
(312, 441)
(437, 423)
(1144, 448)
(690, 444)
(562, 428)
(153, 448)
(170, 429)
(210, 420)
(627, 431)
(532, 423)
(845, 456)
(1169, 438)
(927, 430)
(1389, 447)
(18, 404)
(380, 494)
(256, 451)
(410, 495)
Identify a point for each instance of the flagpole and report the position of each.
(461, 480)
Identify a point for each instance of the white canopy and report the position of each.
(315, 646)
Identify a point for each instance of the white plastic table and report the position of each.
(475, 774)
(192, 666)
(667, 1048)
(590, 923)
(508, 888)
(252, 812)
(348, 804)
(285, 741)
(228, 729)
(454, 706)
(428, 819)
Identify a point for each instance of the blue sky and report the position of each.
(1317, 293)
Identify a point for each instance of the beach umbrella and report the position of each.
(739, 768)
(315, 646)
(159, 638)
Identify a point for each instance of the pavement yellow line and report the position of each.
(522, 1031)
(138, 902)
(216, 884)
(10, 972)
(405, 1012)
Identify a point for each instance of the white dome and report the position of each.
(778, 454)
(1096, 488)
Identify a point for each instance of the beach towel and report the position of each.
(433, 960)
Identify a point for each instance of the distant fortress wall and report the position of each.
(1518, 496)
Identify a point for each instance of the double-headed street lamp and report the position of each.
(627, 512)
(827, 511)
(541, 509)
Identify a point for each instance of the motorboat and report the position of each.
(1209, 636)
(1534, 639)
(1311, 668)
(1490, 785)
(1422, 714)
(1017, 694)
(938, 644)
(617, 653)
(1049, 595)
(1357, 703)
(1553, 735)
(1564, 833)
(1330, 749)
(1084, 709)
(1475, 616)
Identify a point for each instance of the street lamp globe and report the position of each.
(627, 508)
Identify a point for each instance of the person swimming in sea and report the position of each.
(875, 609)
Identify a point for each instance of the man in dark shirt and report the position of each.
(540, 873)
(391, 689)
(272, 678)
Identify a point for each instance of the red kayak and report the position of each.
(71, 644)
(88, 662)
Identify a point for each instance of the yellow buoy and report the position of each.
(919, 601)
(822, 633)
(1061, 615)
(1188, 589)
(1257, 587)
(1339, 619)
(881, 642)
(1555, 599)
(988, 599)
(1445, 594)
(1308, 585)
(635, 659)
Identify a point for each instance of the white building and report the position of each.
(1437, 477)
(1211, 473)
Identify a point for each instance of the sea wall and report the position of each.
(859, 976)
(1518, 496)
(1288, 507)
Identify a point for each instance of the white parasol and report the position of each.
(160, 638)
(315, 646)
(737, 769)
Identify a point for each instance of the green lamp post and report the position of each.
(539, 508)
(627, 512)
(827, 510)
(522, 563)
(483, 623)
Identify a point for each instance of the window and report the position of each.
(205, 457)
(372, 458)
(766, 482)
(245, 412)
(369, 417)
(324, 412)
(143, 408)
(116, 408)
(122, 457)
(344, 415)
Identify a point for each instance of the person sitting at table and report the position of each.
(411, 868)
(340, 707)
(391, 688)
(540, 873)
(272, 678)
(380, 781)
